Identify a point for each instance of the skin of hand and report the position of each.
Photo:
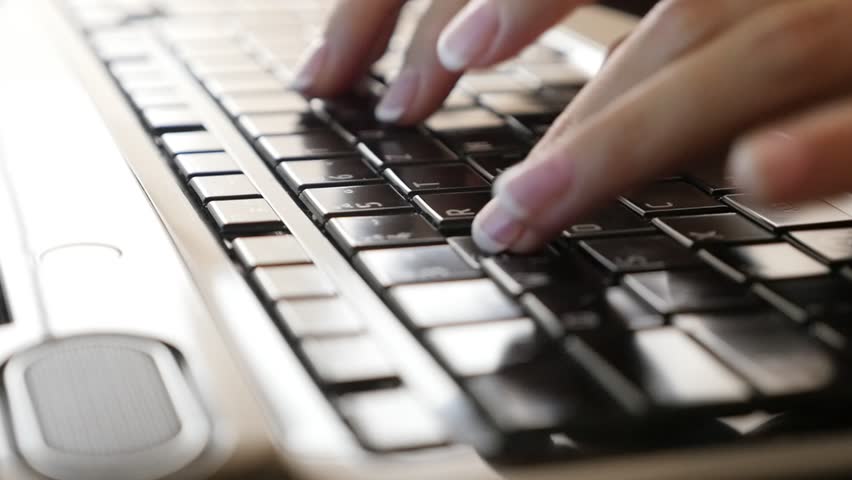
(773, 78)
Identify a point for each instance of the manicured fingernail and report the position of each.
(310, 66)
(748, 157)
(399, 96)
(495, 230)
(528, 187)
(469, 35)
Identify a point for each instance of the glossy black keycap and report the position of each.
(271, 102)
(407, 150)
(783, 216)
(467, 249)
(452, 211)
(809, 298)
(616, 220)
(172, 119)
(484, 349)
(487, 142)
(563, 309)
(492, 165)
(223, 187)
(325, 173)
(357, 233)
(201, 164)
(515, 104)
(396, 266)
(671, 198)
(713, 179)
(689, 291)
(521, 273)
(413, 180)
(775, 358)
(252, 215)
(721, 228)
(832, 245)
(304, 146)
(771, 261)
(429, 305)
(190, 142)
(543, 395)
(660, 368)
(623, 308)
(638, 254)
(359, 200)
(348, 360)
(259, 125)
(464, 120)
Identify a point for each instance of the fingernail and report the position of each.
(494, 229)
(399, 96)
(528, 187)
(310, 66)
(747, 158)
(469, 35)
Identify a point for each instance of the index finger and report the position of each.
(355, 30)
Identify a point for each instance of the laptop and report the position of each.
(205, 275)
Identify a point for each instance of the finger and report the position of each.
(487, 32)
(804, 157)
(343, 54)
(691, 106)
(673, 29)
(422, 83)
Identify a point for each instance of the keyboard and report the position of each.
(657, 322)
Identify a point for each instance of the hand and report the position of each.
(452, 36)
(773, 78)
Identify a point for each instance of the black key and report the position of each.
(623, 308)
(406, 150)
(260, 125)
(771, 261)
(223, 187)
(355, 114)
(722, 228)
(316, 145)
(487, 142)
(660, 368)
(464, 120)
(515, 104)
(357, 233)
(563, 309)
(558, 74)
(201, 164)
(521, 273)
(775, 358)
(397, 266)
(784, 216)
(172, 119)
(544, 395)
(713, 179)
(452, 211)
(348, 360)
(156, 97)
(319, 317)
(392, 420)
(689, 291)
(809, 298)
(325, 203)
(252, 215)
(190, 142)
(832, 245)
(430, 305)
(467, 249)
(484, 349)
(616, 220)
(325, 173)
(413, 180)
(492, 165)
(255, 103)
(672, 198)
(639, 254)
(220, 84)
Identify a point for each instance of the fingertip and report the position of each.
(495, 230)
(766, 164)
(310, 67)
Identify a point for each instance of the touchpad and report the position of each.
(104, 407)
